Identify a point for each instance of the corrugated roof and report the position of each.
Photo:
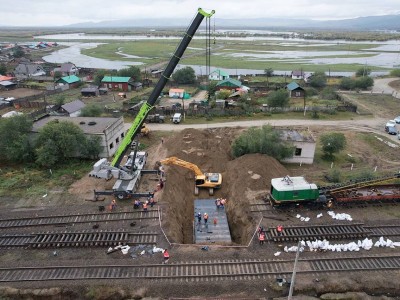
(115, 79)
(70, 79)
(73, 106)
(230, 82)
(292, 86)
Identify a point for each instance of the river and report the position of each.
(385, 54)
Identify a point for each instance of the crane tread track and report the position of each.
(77, 239)
(313, 232)
(82, 218)
(213, 270)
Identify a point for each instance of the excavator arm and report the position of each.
(179, 162)
(146, 107)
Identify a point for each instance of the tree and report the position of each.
(185, 75)
(223, 94)
(279, 98)
(18, 52)
(60, 100)
(15, 144)
(347, 83)
(92, 148)
(318, 80)
(364, 71)
(57, 75)
(269, 72)
(91, 110)
(328, 93)
(3, 69)
(265, 140)
(364, 82)
(132, 71)
(212, 88)
(58, 141)
(332, 142)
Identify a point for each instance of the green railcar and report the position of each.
(293, 189)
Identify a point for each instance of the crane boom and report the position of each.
(179, 162)
(146, 107)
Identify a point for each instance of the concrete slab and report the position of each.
(216, 230)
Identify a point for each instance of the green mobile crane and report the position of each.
(124, 187)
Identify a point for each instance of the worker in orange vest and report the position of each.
(279, 229)
(166, 256)
(261, 237)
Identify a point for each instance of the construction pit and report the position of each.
(244, 179)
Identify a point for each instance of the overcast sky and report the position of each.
(53, 13)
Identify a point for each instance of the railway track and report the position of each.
(384, 230)
(202, 271)
(59, 220)
(332, 232)
(77, 239)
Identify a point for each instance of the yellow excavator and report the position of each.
(202, 180)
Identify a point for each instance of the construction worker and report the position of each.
(261, 237)
(161, 183)
(329, 204)
(279, 229)
(113, 204)
(199, 217)
(166, 256)
(205, 217)
(136, 204)
(223, 201)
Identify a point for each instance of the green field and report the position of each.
(240, 54)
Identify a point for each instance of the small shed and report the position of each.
(73, 109)
(72, 80)
(176, 93)
(7, 85)
(91, 91)
(103, 91)
(295, 91)
(218, 75)
(297, 74)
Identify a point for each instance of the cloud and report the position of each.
(52, 13)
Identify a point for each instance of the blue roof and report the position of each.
(292, 86)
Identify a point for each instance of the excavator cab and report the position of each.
(144, 131)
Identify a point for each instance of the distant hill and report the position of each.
(387, 22)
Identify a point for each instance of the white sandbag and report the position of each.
(277, 253)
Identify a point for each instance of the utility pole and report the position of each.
(294, 272)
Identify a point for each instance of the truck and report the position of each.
(177, 118)
(127, 179)
(157, 118)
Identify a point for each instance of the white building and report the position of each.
(110, 130)
(176, 93)
(305, 146)
(218, 75)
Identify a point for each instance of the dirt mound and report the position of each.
(210, 149)
(244, 179)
